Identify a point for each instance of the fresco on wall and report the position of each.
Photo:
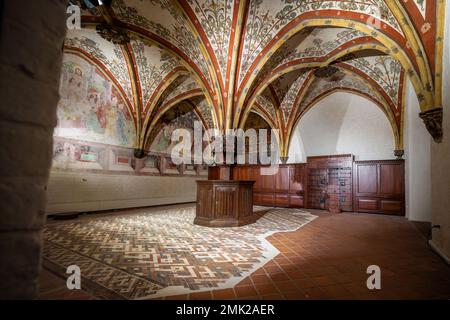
(91, 108)
(72, 154)
(181, 116)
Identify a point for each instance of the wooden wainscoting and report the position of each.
(376, 186)
(281, 188)
(379, 186)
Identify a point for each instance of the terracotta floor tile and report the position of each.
(305, 283)
(246, 281)
(178, 297)
(323, 281)
(295, 275)
(267, 288)
(245, 291)
(261, 278)
(338, 291)
(200, 295)
(250, 298)
(328, 259)
(286, 286)
(224, 294)
(281, 276)
(272, 269)
(295, 296)
(273, 297)
(316, 294)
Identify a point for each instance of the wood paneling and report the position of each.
(367, 204)
(282, 180)
(226, 202)
(296, 201)
(367, 183)
(213, 173)
(391, 178)
(365, 186)
(379, 186)
(282, 188)
(297, 180)
(268, 199)
(391, 206)
(282, 200)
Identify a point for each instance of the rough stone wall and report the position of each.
(31, 39)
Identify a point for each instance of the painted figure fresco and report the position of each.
(181, 116)
(91, 108)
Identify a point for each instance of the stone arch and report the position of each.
(396, 133)
(394, 49)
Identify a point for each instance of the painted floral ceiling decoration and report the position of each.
(87, 42)
(226, 58)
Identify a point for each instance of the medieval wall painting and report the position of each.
(181, 116)
(91, 108)
(71, 154)
(95, 131)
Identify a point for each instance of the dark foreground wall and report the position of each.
(31, 40)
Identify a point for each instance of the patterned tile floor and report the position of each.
(326, 259)
(152, 254)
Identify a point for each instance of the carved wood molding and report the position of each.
(433, 121)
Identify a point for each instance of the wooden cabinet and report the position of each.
(326, 173)
(224, 203)
(379, 186)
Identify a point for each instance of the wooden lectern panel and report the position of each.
(224, 203)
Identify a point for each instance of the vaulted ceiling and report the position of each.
(275, 58)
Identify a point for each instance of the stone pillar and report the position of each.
(31, 42)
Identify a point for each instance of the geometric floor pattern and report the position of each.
(161, 253)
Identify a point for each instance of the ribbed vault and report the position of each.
(274, 58)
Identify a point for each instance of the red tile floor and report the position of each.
(328, 259)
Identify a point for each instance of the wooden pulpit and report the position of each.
(224, 202)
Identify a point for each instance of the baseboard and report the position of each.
(439, 252)
(98, 206)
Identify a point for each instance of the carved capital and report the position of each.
(399, 153)
(139, 153)
(433, 121)
(284, 160)
(114, 35)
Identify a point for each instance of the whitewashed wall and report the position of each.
(343, 123)
(417, 143)
(83, 192)
(440, 161)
